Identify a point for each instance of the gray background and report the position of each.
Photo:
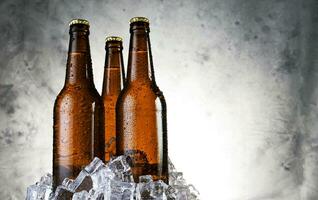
(240, 79)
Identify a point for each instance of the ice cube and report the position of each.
(157, 190)
(119, 164)
(127, 177)
(121, 169)
(120, 191)
(170, 193)
(69, 184)
(41, 190)
(99, 173)
(45, 193)
(83, 195)
(62, 193)
(143, 189)
(82, 182)
(46, 180)
(182, 192)
(171, 167)
(94, 166)
(97, 194)
(93, 174)
(32, 192)
(145, 179)
(101, 177)
(176, 178)
(194, 193)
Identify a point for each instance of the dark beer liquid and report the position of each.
(78, 112)
(141, 111)
(113, 78)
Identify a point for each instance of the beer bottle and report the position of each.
(113, 79)
(78, 111)
(141, 125)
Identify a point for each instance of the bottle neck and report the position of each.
(114, 72)
(79, 64)
(140, 67)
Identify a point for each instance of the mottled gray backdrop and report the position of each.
(240, 78)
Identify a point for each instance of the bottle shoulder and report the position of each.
(145, 93)
(77, 93)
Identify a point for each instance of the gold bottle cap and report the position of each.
(113, 38)
(79, 21)
(139, 19)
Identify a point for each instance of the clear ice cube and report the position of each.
(62, 193)
(194, 193)
(32, 192)
(157, 190)
(143, 188)
(121, 169)
(69, 184)
(100, 174)
(120, 191)
(41, 190)
(83, 195)
(170, 193)
(97, 194)
(182, 192)
(127, 177)
(46, 180)
(176, 178)
(119, 164)
(171, 167)
(145, 179)
(94, 166)
(82, 182)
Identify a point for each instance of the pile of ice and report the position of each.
(113, 181)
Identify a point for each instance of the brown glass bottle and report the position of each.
(113, 79)
(141, 124)
(78, 111)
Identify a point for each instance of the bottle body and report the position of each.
(141, 130)
(141, 122)
(78, 113)
(78, 125)
(112, 85)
